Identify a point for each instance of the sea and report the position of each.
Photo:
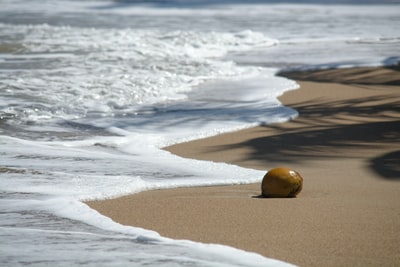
(91, 91)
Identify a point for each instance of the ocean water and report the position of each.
(90, 91)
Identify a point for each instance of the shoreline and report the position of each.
(345, 144)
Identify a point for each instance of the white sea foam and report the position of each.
(114, 71)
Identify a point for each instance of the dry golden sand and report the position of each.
(345, 144)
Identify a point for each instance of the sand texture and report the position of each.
(346, 146)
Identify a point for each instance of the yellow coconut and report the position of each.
(281, 182)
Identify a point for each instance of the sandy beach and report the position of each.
(346, 145)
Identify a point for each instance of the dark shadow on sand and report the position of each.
(387, 165)
(264, 197)
(310, 143)
(361, 76)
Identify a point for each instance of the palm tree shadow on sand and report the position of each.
(327, 128)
